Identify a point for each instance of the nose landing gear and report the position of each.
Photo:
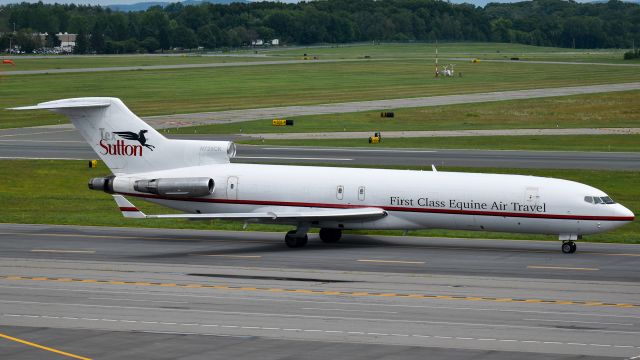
(569, 247)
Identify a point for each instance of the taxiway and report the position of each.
(121, 293)
(34, 143)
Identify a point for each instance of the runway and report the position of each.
(113, 293)
(36, 143)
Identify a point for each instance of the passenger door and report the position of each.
(232, 188)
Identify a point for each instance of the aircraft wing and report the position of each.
(130, 211)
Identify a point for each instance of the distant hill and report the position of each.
(142, 6)
(482, 3)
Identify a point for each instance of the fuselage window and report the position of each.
(340, 192)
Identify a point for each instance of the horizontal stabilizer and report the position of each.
(130, 211)
(68, 104)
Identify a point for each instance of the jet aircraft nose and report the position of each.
(625, 213)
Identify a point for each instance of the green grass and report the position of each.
(615, 109)
(75, 62)
(493, 51)
(195, 90)
(496, 51)
(625, 143)
(55, 192)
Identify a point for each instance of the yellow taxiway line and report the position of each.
(42, 347)
(320, 292)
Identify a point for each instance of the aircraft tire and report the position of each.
(330, 235)
(568, 247)
(293, 241)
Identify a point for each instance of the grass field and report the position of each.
(75, 62)
(55, 192)
(617, 109)
(626, 143)
(495, 51)
(492, 51)
(196, 90)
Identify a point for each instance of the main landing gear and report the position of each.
(298, 238)
(293, 240)
(569, 247)
(330, 235)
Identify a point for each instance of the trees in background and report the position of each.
(538, 22)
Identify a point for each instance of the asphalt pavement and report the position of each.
(113, 293)
(35, 143)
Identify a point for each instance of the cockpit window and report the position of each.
(599, 200)
(607, 200)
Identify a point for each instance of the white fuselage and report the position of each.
(412, 199)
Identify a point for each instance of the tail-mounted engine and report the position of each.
(181, 187)
(170, 187)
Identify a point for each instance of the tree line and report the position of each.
(560, 23)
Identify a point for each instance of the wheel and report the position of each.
(568, 247)
(293, 241)
(330, 235)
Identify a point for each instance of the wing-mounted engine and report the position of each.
(170, 187)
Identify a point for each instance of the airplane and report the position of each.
(198, 178)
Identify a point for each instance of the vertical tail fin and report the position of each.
(123, 141)
(128, 145)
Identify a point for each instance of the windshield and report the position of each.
(599, 200)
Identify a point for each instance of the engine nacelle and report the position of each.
(172, 187)
(176, 187)
(102, 184)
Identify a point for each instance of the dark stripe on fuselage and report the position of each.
(390, 208)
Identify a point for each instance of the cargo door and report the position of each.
(232, 188)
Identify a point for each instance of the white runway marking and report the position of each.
(140, 300)
(291, 158)
(351, 150)
(45, 141)
(38, 158)
(165, 294)
(64, 251)
(38, 133)
(325, 331)
(302, 316)
(367, 311)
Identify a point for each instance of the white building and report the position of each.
(67, 40)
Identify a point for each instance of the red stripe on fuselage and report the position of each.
(128, 209)
(391, 208)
